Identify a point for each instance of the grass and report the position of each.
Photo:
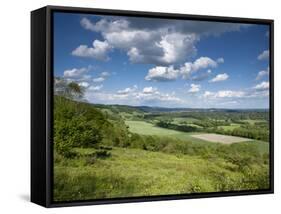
(142, 127)
(97, 157)
(135, 172)
(145, 128)
(262, 147)
(231, 127)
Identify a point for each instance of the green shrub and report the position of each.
(75, 125)
(256, 177)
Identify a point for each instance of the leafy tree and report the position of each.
(70, 90)
(76, 125)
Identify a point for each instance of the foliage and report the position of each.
(99, 154)
(70, 90)
(73, 127)
(78, 124)
(136, 172)
(183, 128)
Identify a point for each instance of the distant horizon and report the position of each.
(164, 63)
(177, 107)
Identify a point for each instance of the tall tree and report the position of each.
(70, 90)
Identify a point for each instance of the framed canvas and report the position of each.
(133, 106)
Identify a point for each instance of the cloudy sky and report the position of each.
(165, 63)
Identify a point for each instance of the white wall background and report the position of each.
(15, 105)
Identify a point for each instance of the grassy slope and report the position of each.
(134, 172)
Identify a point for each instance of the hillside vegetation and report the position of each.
(106, 151)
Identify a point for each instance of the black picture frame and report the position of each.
(42, 104)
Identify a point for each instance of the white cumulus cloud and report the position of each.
(127, 90)
(98, 50)
(75, 72)
(176, 47)
(220, 77)
(194, 88)
(262, 74)
(95, 88)
(157, 46)
(161, 73)
(201, 63)
(99, 79)
(224, 94)
(264, 55)
(149, 90)
(158, 42)
(262, 86)
(169, 73)
(87, 24)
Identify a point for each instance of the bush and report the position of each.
(256, 178)
(75, 132)
(75, 126)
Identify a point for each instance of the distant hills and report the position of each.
(150, 109)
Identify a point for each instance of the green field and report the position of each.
(231, 127)
(145, 128)
(142, 127)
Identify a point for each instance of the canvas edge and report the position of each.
(38, 118)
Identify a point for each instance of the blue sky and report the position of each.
(166, 63)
